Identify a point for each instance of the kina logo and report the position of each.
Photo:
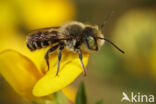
(137, 98)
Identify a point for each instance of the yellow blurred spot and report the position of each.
(7, 15)
(136, 32)
(47, 13)
(153, 61)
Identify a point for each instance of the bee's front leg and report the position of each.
(49, 51)
(80, 57)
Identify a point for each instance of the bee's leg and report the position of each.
(59, 58)
(47, 54)
(80, 57)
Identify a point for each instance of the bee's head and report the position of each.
(90, 34)
(95, 39)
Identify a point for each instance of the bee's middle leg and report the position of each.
(49, 51)
(80, 57)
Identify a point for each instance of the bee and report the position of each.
(73, 36)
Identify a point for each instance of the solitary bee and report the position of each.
(73, 36)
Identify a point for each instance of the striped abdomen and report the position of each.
(38, 40)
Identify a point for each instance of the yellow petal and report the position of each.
(37, 58)
(19, 72)
(70, 68)
(70, 92)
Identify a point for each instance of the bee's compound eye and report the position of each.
(91, 43)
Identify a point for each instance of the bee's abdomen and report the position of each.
(38, 41)
(33, 45)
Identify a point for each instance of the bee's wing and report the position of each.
(46, 29)
(49, 34)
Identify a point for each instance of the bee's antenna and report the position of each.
(106, 19)
(111, 44)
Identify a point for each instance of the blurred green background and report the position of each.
(132, 27)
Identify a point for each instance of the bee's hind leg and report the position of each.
(49, 51)
(59, 58)
(80, 57)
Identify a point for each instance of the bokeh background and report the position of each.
(132, 27)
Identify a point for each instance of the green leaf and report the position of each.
(100, 102)
(81, 95)
(61, 98)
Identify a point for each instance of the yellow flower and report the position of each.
(27, 71)
(27, 80)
